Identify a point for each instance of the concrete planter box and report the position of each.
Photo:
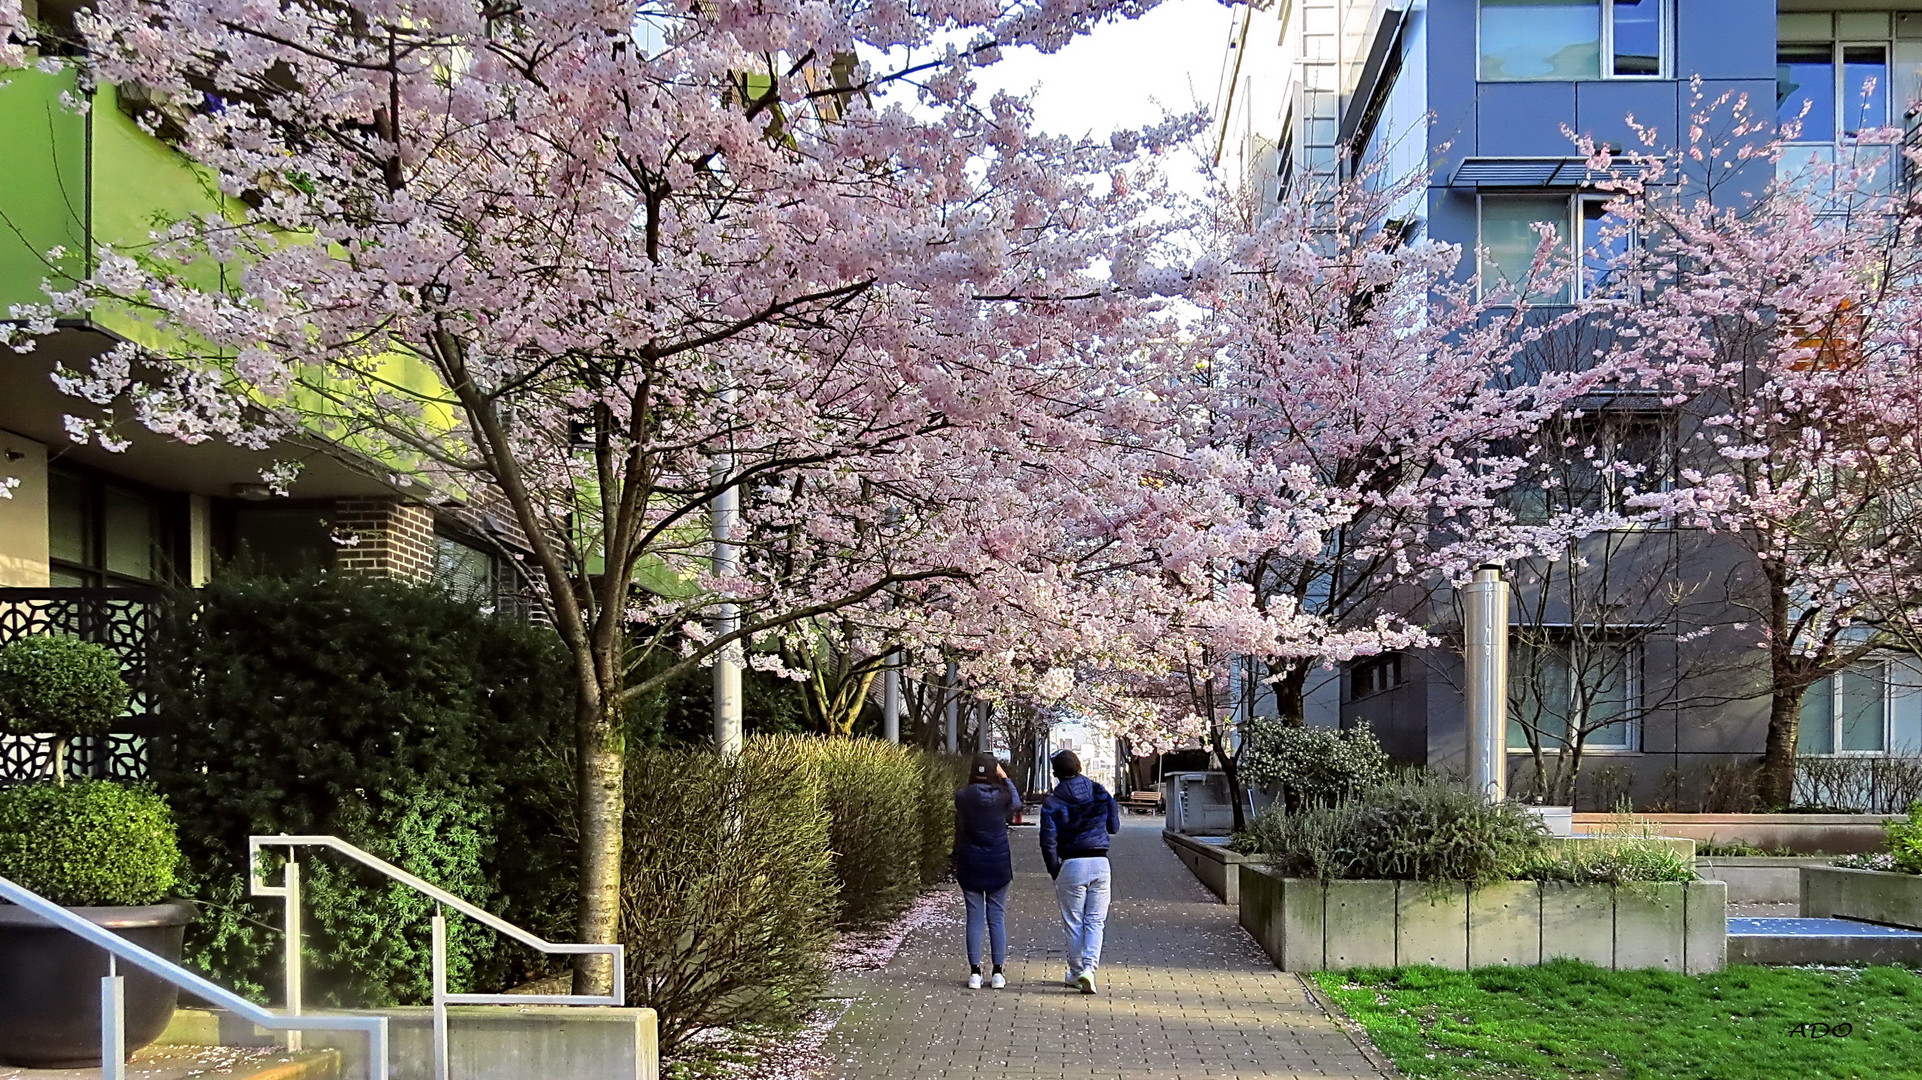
(1877, 896)
(1759, 879)
(1217, 867)
(1834, 834)
(1309, 925)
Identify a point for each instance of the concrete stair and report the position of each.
(1820, 941)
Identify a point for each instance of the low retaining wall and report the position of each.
(1311, 925)
(1877, 896)
(1759, 879)
(507, 1042)
(1217, 867)
(1834, 834)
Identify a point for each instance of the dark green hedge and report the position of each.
(403, 721)
(88, 844)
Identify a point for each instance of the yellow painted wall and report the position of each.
(23, 518)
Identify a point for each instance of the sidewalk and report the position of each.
(1184, 994)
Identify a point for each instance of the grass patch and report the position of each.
(1568, 1019)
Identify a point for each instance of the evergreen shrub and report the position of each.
(1312, 766)
(88, 844)
(399, 719)
(873, 794)
(727, 886)
(1417, 828)
(941, 776)
(61, 686)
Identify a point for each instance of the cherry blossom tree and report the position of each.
(599, 262)
(1778, 319)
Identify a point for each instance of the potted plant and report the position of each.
(105, 851)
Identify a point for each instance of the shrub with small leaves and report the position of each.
(1609, 862)
(1905, 841)
(88, 844)
(1312, 766)
(53, 684)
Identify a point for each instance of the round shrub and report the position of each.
(88, 844)
(1312, 766)
(53, 684)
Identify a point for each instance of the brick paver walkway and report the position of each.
(1184, 995)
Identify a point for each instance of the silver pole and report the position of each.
(113, 1022)
(290, 926)
(725, 515)
(891, 699)
(1485, 655)
(440, 994)
(952, 690)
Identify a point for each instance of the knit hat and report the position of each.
(1065, 764)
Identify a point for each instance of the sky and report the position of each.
(1126, 74)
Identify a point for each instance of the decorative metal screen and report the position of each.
(123, 620)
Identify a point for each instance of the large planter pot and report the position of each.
(1309, 925)
(1877, 896)
(50, 983)
(1213, 864)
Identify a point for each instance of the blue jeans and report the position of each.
(1082, 888)
(987, 911)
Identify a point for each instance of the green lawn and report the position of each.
(1569, 1019)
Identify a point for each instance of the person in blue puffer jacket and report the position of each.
(1076, 822)
(983, 863)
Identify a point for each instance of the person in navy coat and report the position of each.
(982, 862)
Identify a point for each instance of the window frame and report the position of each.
(1838, 88)
(1605, 45)
(168, 553)
(1835, 686)
(1389, 663)
(1633, 659)
(1576, 289)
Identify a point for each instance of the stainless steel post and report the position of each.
(113, 1022)
(440, 994)
(725, 514)
(290, 925)
(1485, 655)
(891, 699)
(951, 690)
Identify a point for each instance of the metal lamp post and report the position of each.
(1485, 654)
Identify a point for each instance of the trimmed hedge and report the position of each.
(401, 720)
(941, 776)
(88, 844)
(727, 886)
(872, 792)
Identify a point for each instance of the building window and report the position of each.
(1526, 40)
(279, 540)
(470, 573)
(1847, 713)
(1374, 675)
(1511, 233)
(103, 534)
(1568, 691)
(1832, 75)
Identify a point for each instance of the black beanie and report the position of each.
(1066, 764)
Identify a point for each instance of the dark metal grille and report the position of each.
(122, 619)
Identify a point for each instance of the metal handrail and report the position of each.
(113, 1018)
(289, 892)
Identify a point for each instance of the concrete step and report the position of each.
(161, 1062)
(1821, 941)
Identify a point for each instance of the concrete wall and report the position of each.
(1868, 895)
(1212, 864)
(1834, 834)
(1759, 879)
(1307, 925)
(23, 518)
(504, 1042)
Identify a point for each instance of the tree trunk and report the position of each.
(602, 805)
(1290, 690)
(1777, 780)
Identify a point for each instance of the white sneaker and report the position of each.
(1085, 982)
(1072, 978)
(998, 981)
(974, 981)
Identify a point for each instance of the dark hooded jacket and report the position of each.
(1076, 822)
(982, 861)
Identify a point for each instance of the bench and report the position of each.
(1141, 802)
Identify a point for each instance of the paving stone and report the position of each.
(1185, 993)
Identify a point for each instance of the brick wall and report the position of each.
(394, 538)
